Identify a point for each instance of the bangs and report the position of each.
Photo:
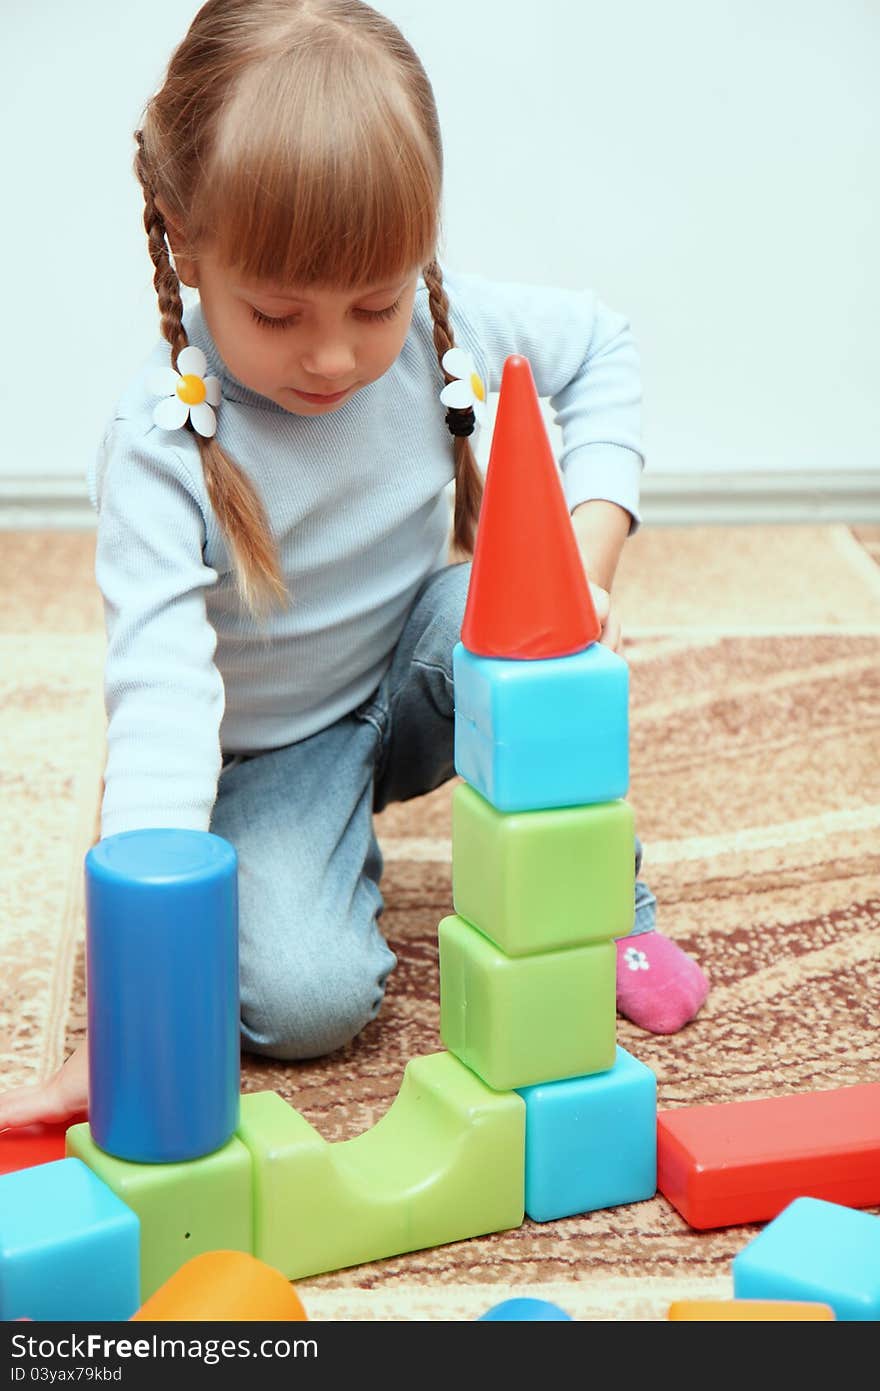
(321, 173)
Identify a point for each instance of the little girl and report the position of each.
(273, 520)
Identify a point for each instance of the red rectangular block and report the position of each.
(745, 1161)
(27, 1145)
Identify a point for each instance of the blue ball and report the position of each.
(524, 1311)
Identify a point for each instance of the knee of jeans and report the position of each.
(310, 1013)
(434, 647)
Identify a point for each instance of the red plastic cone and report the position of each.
(528, 594)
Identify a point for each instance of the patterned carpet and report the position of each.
(755, 657)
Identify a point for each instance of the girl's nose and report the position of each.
(331, 362)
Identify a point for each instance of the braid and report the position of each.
(468, 482)
(234, 499)
(164, 278)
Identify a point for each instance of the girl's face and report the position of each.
(308, 349)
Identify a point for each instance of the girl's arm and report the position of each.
(601, 529)
(584, 360)
(162, 690)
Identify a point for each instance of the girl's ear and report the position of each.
(186, 266)
(186, 270)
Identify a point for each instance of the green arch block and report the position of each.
(446, 1162)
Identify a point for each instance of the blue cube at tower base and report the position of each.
(818, 1252)
(69, 1248)
(540, 734)
(591, 1142)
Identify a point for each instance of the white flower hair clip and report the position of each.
(189, 394)
(467, 392)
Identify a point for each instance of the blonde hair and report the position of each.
(300, 140)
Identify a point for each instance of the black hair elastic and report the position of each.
(461, 423)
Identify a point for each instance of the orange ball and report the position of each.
(223, 1285)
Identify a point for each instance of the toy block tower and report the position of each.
(533, 1107)
(542, 840)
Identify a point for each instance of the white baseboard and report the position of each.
(679, 499)
(31, 502)
(668, 499)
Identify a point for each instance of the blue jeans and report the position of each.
(313, 960)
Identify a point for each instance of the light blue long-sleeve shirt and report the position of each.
(357, 505)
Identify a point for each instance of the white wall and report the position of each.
(710, 168)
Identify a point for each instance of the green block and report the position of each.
(445, 1162)
(185, 1209)
(520, 1020)
(537, 881)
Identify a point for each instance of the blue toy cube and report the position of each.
(591, 1142)
(69, 1248)
(539, 734)
(815, 1251)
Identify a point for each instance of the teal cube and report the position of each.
(540, 734)
(69, 1248)
(815, 1252)
(591, 1142)
(538, 881)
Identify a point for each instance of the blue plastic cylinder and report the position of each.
(163, 994)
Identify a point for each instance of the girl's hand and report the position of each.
(64, 1096)
(611, 633)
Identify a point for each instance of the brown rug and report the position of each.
(755, 776)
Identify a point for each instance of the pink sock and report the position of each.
(659, 987)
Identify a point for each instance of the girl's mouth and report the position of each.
(320, 399)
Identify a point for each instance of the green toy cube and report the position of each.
(537, 881)
(521, 1020)
(184, 1209)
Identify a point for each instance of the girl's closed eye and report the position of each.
(288, 320)
(387, 313)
